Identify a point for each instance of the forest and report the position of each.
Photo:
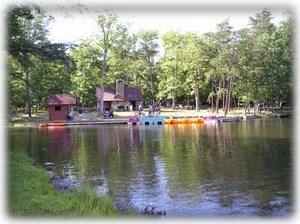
(218, 70)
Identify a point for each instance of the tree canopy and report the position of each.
(219, 69)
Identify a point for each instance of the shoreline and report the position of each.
(42, 199)
(121, 117)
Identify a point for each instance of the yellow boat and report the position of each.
(168, 121)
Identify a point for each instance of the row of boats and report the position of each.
(182, 120)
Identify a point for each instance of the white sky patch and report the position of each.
(74, 26)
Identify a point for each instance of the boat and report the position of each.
(56, 124)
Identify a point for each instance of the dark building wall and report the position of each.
(56, 114)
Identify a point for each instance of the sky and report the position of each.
(71, 24)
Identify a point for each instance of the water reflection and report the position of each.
(236, 169)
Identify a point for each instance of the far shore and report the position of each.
(36, 119)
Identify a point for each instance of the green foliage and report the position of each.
(147, 49)
(85, 78)
(252, 64)
(29, 47)
(30, 194)
(170, 85)
(265, 60)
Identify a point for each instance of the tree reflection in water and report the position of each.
(191, 170)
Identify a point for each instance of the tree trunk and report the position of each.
(197, 98)
(227, 99)
(103, 73)
(173, 99)
(28, 98)
(256, 107)
(212, 104)
(152, 80)
(218, 98)
(100, 106)
(196, 89)
(223, 96)
(217, 102)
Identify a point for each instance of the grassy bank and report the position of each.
(30, 194)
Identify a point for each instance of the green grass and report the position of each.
(30, 194)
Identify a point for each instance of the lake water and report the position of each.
(189, 170)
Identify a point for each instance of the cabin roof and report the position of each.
(130, 94)
(62, 99)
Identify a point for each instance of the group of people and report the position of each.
(71, 114)
(155, 110)
(107, 114)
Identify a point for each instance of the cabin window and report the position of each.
(57, 108)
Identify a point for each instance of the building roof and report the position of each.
(62, 99)
(130, 94)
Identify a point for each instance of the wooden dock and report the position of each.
(83, 122)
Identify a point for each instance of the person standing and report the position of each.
(70, 115)
(150, 109)
(140, 109)
(80, 113)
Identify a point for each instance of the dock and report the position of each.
(152, 120)
(145, 120)
(83, 122)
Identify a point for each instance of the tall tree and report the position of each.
(110, 33)
(27, 40)
(196, 57)
(171, 78)
(122, 59)
(257, 55)
(215, 73)
(260, 28)
(225, 41)
(85, 78)
(148, 49)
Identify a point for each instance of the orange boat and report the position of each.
(168, 121)
(56, 124)
(198, 120)
(184, 121)
(42, 125)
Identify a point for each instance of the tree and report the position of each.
(260, 28)
(214, 76)
(148, 49)
(49, 78)
(196, 57)
(16, 87)
(27, 42)
(171, 78)
(122, 59)
(110, 33)
(85, 78)
(265, 61)
(224, 62)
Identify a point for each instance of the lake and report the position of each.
(235, 169)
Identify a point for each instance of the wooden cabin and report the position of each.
(120, 97)
(59, 105)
